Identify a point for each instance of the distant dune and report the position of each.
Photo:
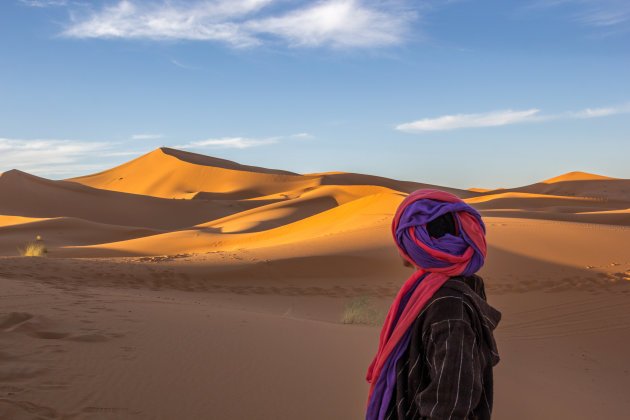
(175, 201)
(576, 176)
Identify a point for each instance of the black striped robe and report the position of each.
(446, 372)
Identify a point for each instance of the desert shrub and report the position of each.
(34, 249)
(361, 311)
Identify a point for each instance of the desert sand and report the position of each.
(181, 286)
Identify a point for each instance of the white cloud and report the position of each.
(240, 142)
(339, 23)
(336, 23)
(506, 117)
(37, 154)
(146, 136)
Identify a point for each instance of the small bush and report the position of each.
(34, 249)
(361, 311)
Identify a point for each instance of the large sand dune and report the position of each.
(179, 285)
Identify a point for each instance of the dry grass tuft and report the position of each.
(34, 249)
(361, 311)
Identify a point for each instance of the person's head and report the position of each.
(436, 231)
(436, 228)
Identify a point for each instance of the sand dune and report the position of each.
(576, 176)
(27, 195)
(170, 173)
(579, 206)
(16, 220)
(581, 184)
(178, 283)
(66, 231)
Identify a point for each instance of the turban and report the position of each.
(438, 259)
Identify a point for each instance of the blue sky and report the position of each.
(456, 93)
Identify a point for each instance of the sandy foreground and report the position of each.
(179, 286)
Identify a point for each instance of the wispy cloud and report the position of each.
(595, 13)
(146, 136)
(40, 155)
(301, 136)
(598, 112)
(184, 66)
(504, 117)
(335, 23)
(451, 122)
(240, 142)
(44, 3)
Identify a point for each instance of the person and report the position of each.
(436, 349)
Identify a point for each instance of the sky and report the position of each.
(460, 93)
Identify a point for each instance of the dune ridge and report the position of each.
(171, 201)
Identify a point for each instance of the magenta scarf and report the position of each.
(438, 259)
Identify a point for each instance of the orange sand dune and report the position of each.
(170, 173)
(573, 184)
(16, 220)
(480, 190)
(547, 203)
(307, 204)
(576, 176)
(27, 195)
(369, 216)
(581, 184)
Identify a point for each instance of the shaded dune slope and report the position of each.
(27, 195)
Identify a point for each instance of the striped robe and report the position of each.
(446, 371)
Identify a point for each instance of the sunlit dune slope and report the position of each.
(355, 225)
(26, 195)
(171, 173)
(16, 220)
(480, 190)
(301, 207)
(576, 176)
